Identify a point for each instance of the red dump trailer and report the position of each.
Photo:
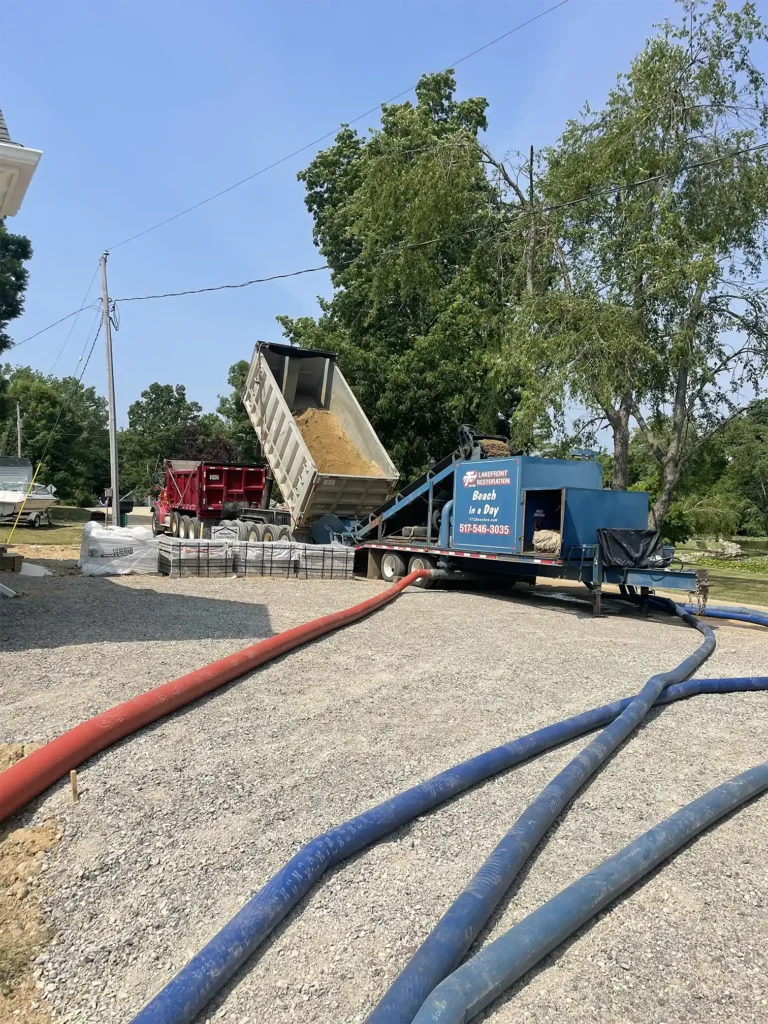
(200, 495)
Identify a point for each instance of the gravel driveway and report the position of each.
(178, 826)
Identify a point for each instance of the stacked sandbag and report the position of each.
(547, 542)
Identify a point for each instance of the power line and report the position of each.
(74, 323)
(75, 312)
(524, 214)
(328, 135)
(269, 167)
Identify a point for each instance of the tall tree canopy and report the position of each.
(238, 426)
(15, 251)
(75, 457)
(652, 214)
(413, 231)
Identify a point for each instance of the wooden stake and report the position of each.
(73, 783)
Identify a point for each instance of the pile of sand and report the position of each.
(331, 448)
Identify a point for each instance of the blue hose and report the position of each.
(455, 932)
(737, 614)
(479, 981)
(207, 973)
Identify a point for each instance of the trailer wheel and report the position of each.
(285, 533)
(392, 566)
(174, 524)
(421, 562)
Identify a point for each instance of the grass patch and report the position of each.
(43, 535)
(738, 587)
(757, 566)
(69, 514)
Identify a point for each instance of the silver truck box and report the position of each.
(282, 382)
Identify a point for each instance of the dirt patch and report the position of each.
(23, 932)
(57, 552)
(331, 447)
(10, 753)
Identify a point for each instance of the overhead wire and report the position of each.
(521, 215)
(330, 134)
(75, 312)
(277, 163)
(74, 322)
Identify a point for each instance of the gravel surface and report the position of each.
(178, 826)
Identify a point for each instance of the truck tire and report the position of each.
(285, 533)
(194, 529)
(253, 533)
(268, 533)
(244, 528)
(185, 526)
(157, 529)
(174, 524)
(421, 562)
(392, 566)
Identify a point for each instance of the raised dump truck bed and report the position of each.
(285, 383)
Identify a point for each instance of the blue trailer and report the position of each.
(482, 508)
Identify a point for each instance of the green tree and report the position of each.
(75, 455)
(239, 428)
(418, 243)
(158, 427)
(15, 251)
(655, 306)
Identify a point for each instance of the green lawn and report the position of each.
(43, 535)
(750, 588)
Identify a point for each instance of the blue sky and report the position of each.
(143, 108)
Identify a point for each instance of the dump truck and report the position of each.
(199, 496)
(330, 467)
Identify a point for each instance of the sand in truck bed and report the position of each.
(331, 447)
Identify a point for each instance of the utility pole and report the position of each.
(18, 429)
(110, 393)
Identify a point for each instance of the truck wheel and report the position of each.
(253, 533)
(268, 533)
(392, 566)
(174, 524)
(185, 528)
(244, 528)
(156, 527)
(285, 533)
(421, 562)
(194, 529)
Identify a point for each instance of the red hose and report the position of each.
(28, 778)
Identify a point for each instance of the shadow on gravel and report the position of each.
(100, 612)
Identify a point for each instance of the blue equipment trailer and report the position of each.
(479, 508)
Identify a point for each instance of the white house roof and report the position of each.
(17, 165)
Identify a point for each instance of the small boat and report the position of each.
(15, 493)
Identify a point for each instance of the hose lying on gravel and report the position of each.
(452, 936)
(207, 973)
(480, 980)
(28, 777)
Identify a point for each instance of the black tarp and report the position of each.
(631, 549)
